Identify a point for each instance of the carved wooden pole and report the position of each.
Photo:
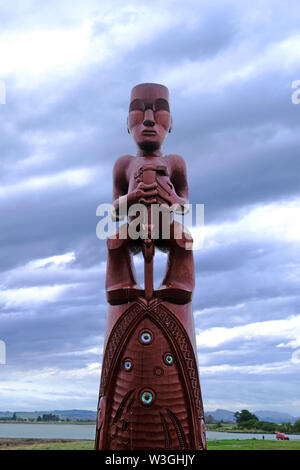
(150, 396)
(149, 178)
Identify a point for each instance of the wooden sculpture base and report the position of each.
(150, 396)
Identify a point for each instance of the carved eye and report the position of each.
(162, 105)
(147, 397)
(168, 359)
(137, 105)
(128, 365)
(146, 337)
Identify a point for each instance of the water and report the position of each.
(87, 431)
(48, 431)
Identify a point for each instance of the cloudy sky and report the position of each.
(68, 68)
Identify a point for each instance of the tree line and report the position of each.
(247, 420)
(44, 417)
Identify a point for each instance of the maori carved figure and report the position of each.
(150, 396)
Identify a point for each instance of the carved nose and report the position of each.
(149, 118)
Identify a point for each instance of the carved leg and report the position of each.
(121, 283)
(179, 281)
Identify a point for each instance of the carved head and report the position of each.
(149, 119)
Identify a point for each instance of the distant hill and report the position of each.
(275, 417)
(272, 416)
(218, 415)
(73, 415)
(76, 414)
(221, 415)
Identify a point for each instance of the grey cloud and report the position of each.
(192, 42)
(241, 146)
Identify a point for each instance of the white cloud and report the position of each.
(288, 328)
(49, 386)
(80, 177)
(246, 60)
(276, 221)
(55, 261)
(33, 295)
(256, 369)
(214, 310)
(35, 55)
(296, 355)
(83, 352)
(92, 369)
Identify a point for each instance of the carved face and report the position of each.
(149, 118)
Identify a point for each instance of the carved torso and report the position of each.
(169, 169)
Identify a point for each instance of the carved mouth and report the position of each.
(148, 132)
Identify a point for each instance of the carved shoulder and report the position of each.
(177, 165)
(122, 163)
(178, 174)
(120, 175)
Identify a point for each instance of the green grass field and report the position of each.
(72, 445)
(252, 444)
(230, 444)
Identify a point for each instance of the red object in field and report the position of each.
(282, 437)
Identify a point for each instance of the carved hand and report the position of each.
(166, 191)
(143, 194)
